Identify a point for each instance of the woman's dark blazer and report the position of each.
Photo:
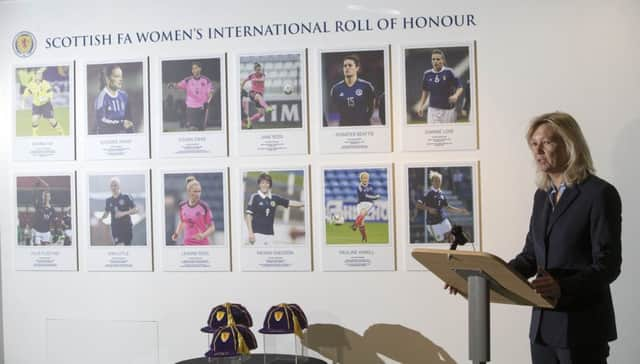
(578, 243)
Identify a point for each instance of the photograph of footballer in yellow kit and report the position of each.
(43, 96)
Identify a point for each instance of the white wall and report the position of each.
(533, 57)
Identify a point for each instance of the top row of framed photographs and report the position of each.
(269, 111)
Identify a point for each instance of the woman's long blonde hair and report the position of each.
(579, 163)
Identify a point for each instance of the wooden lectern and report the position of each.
(481, 278)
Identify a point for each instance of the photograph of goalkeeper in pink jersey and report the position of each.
(191, 97)
(194, 209)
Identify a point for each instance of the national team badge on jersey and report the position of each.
(24, 44)
(273, 204)
(120, 202)
(359, 92)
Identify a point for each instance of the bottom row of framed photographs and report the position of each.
(353, 217)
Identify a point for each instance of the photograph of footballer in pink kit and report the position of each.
(272, 91)
(194, 209)
(191, 95)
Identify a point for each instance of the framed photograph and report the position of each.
(275, 234)
(440, 97)
(195, 221)
(442, 207)
(358, 218)
(43, 125)
(193, 108)
(355, 99)
(45, 222)
(273, 103)
(119, 218)
(117, 110)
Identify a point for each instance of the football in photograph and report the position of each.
(356, 206)
(43, 101)
(272, 89)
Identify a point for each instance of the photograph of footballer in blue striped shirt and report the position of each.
(117, 209)
(353, 88)
(191, 95)
(44, 211)
(43, 101)
(115, 98)
(439, 85)
(274, 211)
(272, 91)
(356, 206)
(441, 205)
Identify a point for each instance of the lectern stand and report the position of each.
(481, 278)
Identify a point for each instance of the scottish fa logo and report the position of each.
(273, 204)
(24, 44)
(359, 92)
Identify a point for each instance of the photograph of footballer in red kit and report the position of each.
(192, 95)
(44, 211)
(354, 88)
(116, 98)
(272, 91)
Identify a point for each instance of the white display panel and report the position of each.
(439, 100)
(271, 108)
(524, 69)
(114, 122)
(274, 226)
(357, 233)
(117, 220)
(43, 120)
(45, 221)
(354, 96)
(191, 126)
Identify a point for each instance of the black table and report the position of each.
(256, 359)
